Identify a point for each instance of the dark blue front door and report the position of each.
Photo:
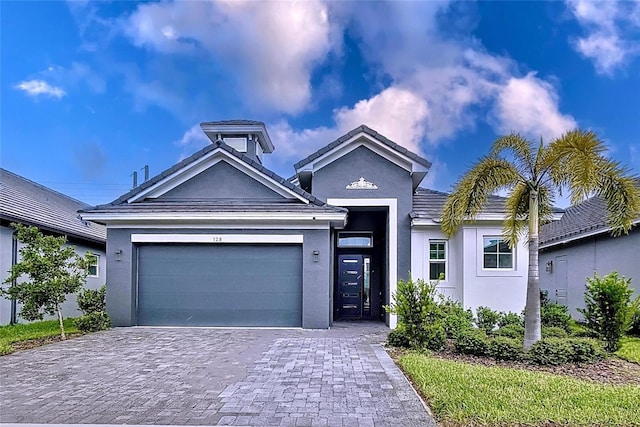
(350, 286)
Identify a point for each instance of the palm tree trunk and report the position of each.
(61, 323)
(532, 332)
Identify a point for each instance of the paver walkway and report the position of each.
(184, 376)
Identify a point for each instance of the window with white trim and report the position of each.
(437, 259)
(497, 255)
(93, 265)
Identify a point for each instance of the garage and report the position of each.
(219, 285)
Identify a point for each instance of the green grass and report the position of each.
(630, 349)
(465, 394)
(29, 331)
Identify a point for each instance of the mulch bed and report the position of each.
(613, 371)
(29, 344)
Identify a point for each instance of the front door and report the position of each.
(354, 286)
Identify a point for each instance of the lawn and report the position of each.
(466, 394)
(630, 349)
(10, 334)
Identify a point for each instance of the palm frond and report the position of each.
(520, 148)
(470, 193)
(622, 196)
(517, 210)
(574, 160)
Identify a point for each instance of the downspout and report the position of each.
(14, 261)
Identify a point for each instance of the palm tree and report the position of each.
(533, 174)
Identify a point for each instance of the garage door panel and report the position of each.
(225, 285)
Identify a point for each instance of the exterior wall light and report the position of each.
(316, 255)
(549, 267)
(119, 255)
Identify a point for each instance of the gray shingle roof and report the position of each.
(428, 204)
(234, 123)
(368, 131)
(122, 200)
(191, 206)
(588, 217)
(25, 201)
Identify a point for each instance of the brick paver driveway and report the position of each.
(183, 376)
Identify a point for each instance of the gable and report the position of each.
(220, 181)
(201, 162)
(381, 177)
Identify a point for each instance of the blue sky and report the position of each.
(93, 91)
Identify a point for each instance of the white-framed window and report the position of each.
(437, 259)
(93, 268)
(497, 255)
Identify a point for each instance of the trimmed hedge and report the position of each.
(473, 341)
(551, 351)
(398, 337)
(503, 348)
(510, 331)
(553, 332)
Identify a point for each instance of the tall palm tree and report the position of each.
(533, 174)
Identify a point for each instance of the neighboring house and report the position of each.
(219, 240)
(23, 201)
(579, 245)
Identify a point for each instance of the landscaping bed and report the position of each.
(488, 393)
(31, 335)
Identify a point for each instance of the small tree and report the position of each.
(53, 272)
(608, 310)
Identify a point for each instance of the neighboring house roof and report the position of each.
(428, 204)
(585, 219)
(370, 132)
(25, 201)
(121, 204)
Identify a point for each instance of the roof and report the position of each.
(122, 204)
(234, 206)
(428, 204)
(25, 201)
(378, 137)
(234, 123)
(584, 219)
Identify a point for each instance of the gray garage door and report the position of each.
(220, 285)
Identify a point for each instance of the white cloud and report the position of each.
(529, 106)
(610, 27)
(270, 47)
(396, 113)
(40, 87)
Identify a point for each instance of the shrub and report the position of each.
(551, 351)
(416, 308)
(510, 319)
(435, 337)
(93, 322)
(92, 300)
(472, 341)
(555, 315)
(503, 348)
(510, 331)
(634, 324)
(585, 350)
(456, 319)
(553, 332)
(398, 337)
(608, 308)
(486, 319)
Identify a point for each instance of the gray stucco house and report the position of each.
(219, 240)
(579, 245)
(26, 202)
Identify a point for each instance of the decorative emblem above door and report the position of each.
(362, 184)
